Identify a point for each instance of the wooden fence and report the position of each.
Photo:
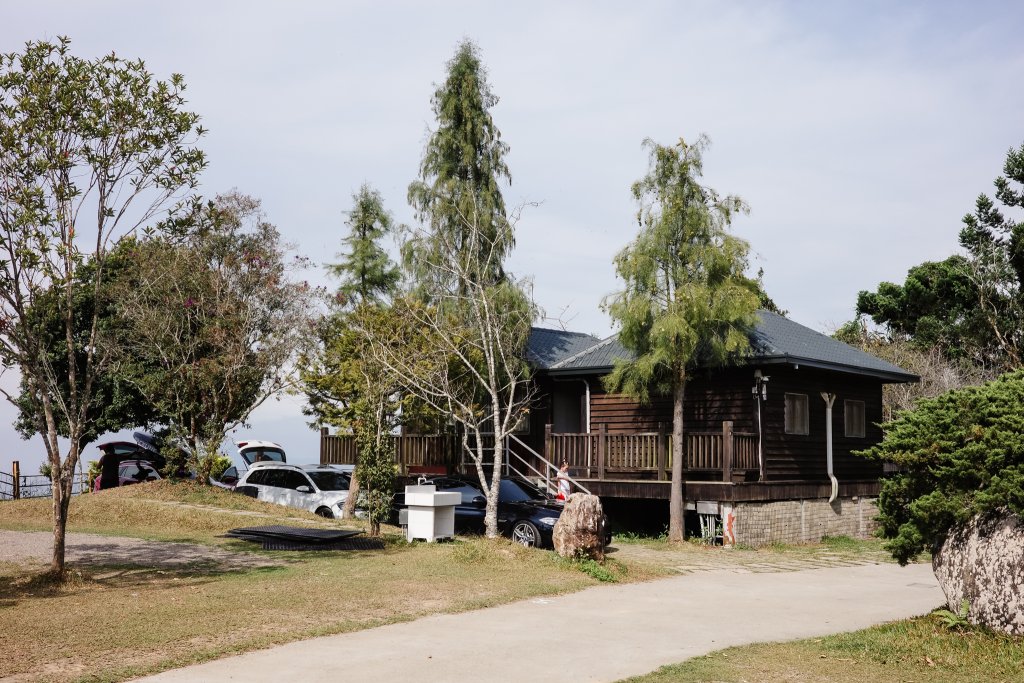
(415, 450)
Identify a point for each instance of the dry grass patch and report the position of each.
(158, 510)
(912, 651)
(109, 623)
(122, 622)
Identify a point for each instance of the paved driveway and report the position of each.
(601, 634)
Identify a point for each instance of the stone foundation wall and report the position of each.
(802, 521)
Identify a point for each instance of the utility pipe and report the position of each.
(829, 400)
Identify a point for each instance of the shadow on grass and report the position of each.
(30, 585)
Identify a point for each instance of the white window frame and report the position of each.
(807, 415)
(853, 433)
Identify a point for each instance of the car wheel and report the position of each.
(325, 512)
(525, 533)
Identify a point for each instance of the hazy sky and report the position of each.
(859, 133)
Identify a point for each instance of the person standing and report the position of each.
(564, 485)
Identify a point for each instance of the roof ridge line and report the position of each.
(603, 342)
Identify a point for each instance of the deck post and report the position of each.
(727, 450)
(662, 451)
(602, 449)
(323, 443)
(16, 467)
(548, 448)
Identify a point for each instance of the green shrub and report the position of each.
(218, 465)
(959, 454)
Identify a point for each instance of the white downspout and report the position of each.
(829, 400)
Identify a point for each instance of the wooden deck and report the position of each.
(720, 466)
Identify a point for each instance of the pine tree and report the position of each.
(366, 271)
(458, 193)
(686, 300)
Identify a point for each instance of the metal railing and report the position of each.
(35, 486)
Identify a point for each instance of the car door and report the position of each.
(291, 481)
(272, 486)
(469, 513)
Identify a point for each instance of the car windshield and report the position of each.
(516, 491)
(330, 481)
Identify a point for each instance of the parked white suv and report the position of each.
(318, 488)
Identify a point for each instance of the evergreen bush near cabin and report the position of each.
(960, 454)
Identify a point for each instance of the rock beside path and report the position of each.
(579, 532)
(981, 562)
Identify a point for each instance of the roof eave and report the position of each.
(889, 377)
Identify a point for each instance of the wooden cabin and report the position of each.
(757, 443)
(756, 434)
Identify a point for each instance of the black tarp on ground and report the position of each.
(276, 537)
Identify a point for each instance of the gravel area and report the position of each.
(689, 561)
(36, 547)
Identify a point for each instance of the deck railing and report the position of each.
(599, 453)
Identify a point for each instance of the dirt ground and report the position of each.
(36, 547)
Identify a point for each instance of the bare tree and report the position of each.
(460, 348)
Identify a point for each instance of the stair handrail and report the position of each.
(546, 475)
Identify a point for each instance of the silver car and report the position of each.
(321, 489)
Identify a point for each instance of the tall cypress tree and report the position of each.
(366, 271)
(462, 167)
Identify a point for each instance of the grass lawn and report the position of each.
(913, 651)
(112, 622)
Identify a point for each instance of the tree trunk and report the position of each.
(677, 502)
(491, 512)
(348, 510)
(61, 492)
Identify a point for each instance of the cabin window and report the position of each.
(854, 418)
(796, 414)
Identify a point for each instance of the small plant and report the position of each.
(608, 571)
(94, 471)
(219, 464)
(955, 621)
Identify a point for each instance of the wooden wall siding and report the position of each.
(802, 457)
(726, 395)
(710, 401)
(624, 415)
(729, 492)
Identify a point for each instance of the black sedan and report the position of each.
(525, 513)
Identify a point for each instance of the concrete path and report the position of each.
(601, 634)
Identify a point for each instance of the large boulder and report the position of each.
(580, 532)
(983, 562)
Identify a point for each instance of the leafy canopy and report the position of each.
(960, 454)
(212, 323)
(115, 402)
(970, 306)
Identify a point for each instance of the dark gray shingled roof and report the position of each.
(775, 339)
(546, 347)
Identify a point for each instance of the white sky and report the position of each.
(859, 133)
